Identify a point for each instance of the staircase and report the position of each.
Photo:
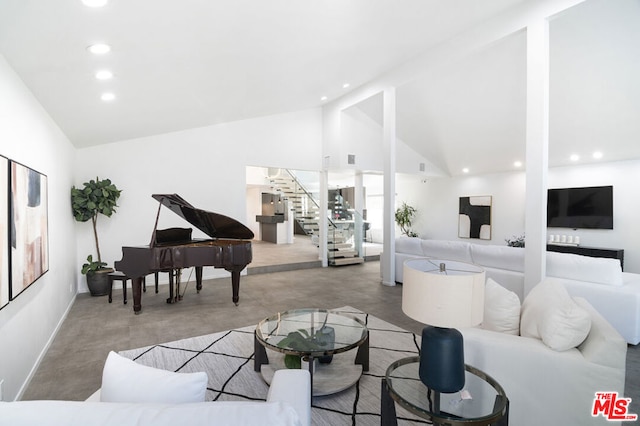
(306, 211)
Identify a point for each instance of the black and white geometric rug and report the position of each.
(227, 357)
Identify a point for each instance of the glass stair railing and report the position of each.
(346, 235)
(343, 246)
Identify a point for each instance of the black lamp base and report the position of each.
(442, 359)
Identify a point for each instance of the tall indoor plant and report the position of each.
(404, 218)
(96, 197)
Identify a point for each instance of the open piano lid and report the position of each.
(213, 224)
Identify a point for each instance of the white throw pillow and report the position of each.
(550, 314)
(501, 309)
(564, 326)
(124, 380)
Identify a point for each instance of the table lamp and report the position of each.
(445, 295)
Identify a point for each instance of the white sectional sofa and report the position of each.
(613, 293)
(136, 395)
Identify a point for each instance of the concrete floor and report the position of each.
(72, 367)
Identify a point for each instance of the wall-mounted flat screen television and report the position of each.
(586, 208)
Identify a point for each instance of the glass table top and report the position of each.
(311, 332)
(481, 402)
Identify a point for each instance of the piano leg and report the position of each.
(136, 287)
(178, 281)
(198, 278)
(235, 284)
(171, 298)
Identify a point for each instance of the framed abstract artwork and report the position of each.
(29, 227)
(474, 217)
(4, 231)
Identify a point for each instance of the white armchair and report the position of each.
(547, 386)
(135, 395)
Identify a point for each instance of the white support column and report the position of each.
(358, 202)
(537, 152)
(358, 205)
(387, 261)
(324, 194)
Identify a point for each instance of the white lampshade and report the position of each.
(452, 299)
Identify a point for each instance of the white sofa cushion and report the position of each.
(583, 268)
(620, 306)
(501, 309)
(409, 245)
(630, 278)
(447, 250)
(499, 257)
(124, 380)
(549, 314)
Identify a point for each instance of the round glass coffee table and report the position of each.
(314, 335)
(481, 402)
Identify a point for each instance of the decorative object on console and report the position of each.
(96, 197)
(474, 217)
(29, 227)
(564, 240)
(515, 241)
(445, 295)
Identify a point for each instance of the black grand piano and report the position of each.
(173, 249)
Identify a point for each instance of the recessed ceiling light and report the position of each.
(107, 97)
(465, 170)
(517, 164)
(346, 85)
(597, 155)
(95, 3)
(574, 157)
(324, 98)
(99, 48)
(104, 75)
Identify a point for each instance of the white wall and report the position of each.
(624, 176)
(361, 136)
(27, 324)
(437, 203)
(206, 166)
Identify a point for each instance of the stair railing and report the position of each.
(309, 197)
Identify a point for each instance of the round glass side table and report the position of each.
(314, 334)
(481, 402)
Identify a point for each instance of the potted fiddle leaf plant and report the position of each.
(404, 218)
(94, 198)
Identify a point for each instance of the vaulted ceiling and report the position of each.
(472, 114)
(179, 65)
